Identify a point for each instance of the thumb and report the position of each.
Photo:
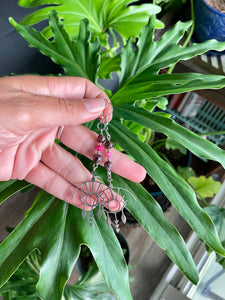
(46, 111)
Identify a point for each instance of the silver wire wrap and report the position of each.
(60, 132)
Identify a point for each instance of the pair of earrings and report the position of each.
(94, 193)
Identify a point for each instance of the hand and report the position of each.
(32, 109)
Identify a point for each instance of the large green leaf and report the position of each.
(150, 215)
(62, 50)
(23, 282)
(183, 136)
(134, 60)
(9, 188)
(102, 14)
(149, 86)
(91, 285)
(6, 184)
(218, 216)
(108, 255)
(57, 230)
(173, 186)
(141, 64)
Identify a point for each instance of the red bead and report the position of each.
(99, 148)
(109, 144)
(108, 165)
(101, 138)
(97, 158)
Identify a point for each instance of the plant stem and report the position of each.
(212, 133)
(204, 202)
(161, 142)
(170, 70)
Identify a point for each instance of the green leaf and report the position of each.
(165, 84)
(218, 216)
(129, 20)
(108, 65)
(102, 15)
(135, 60)
(204, 187)
(176, 53)
(62, 50)
(173, 186)
(5, 184)
(172, 144)
(109, 257)
(140, 65)
(24, 280)
(150, 215)
(59, 244)
(11, 187)
(151, 104)
(183, 136)
(91, 285)
(185, 172)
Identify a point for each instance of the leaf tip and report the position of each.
(53, 16)
(21, 3)
(53, 13)
(85, 22)
(195, 278)
(12, 22)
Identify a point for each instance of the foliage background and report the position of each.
(57, 229)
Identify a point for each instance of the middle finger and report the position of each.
(84, 141)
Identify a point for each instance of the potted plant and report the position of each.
(140, 85)
(209, 20)
(204, 187)
(90, 285)
(181, 160)
(174, 154)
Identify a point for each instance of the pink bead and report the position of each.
(99, 148)
(109, 154)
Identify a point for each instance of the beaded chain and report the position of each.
(94, 193)
(108, 144)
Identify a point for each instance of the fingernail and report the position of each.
(94, 105)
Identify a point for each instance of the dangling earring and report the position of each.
(95, 194)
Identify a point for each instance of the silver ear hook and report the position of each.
(109, 114)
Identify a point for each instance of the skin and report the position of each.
(32, 109)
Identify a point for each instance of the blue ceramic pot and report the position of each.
(209, 22)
